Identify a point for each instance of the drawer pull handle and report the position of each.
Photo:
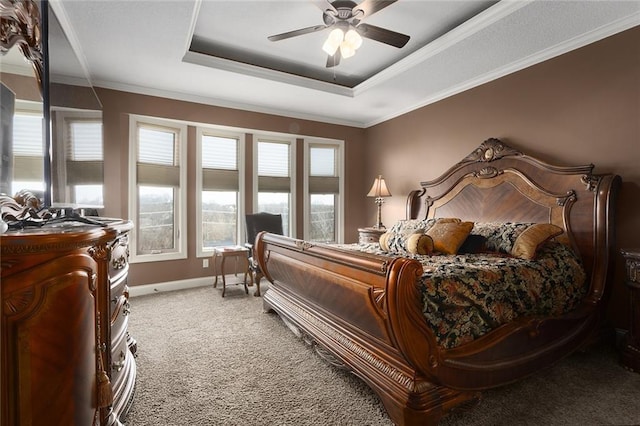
(126, 309)
(119, 263)
(119, 365)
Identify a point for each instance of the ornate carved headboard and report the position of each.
(496, 183)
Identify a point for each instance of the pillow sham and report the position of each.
(531, 239)
(448, 236)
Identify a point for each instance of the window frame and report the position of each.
(340, 166)
(215, 131)
(180, 222)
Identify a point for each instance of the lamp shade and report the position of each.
(379, 188)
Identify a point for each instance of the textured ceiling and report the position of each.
(150, 47)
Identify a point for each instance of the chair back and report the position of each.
(259, 222)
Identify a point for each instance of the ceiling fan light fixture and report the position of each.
(353, 38)
(333, 41)
(346, 50)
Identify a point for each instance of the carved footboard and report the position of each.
(363, 312)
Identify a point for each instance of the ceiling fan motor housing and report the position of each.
(344, 9)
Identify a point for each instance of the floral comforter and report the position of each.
(466, 296)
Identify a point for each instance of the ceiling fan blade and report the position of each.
(369, 7)
(295, 33)
(333, 61)
(325, 5)
(383, 35)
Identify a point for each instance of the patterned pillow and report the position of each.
(501, 236)
(393, 239)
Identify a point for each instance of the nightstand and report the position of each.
(631, 347)
(370, 235)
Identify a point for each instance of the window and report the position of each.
(324, 191)
(275, 180)
(219, 183)
(28, 151)
(78, 176)
(157, 195)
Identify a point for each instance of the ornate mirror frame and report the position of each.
(20, 25)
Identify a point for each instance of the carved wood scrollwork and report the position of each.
(20, 25)
(99, 252)
(19, 301)
(487, 173)
(379, 298)
(590, 181)
(489, 150)
(303, 245)
(569, 198)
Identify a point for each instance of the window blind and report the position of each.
(274, 166)
(220, 163)
(323, 176)
(84, 151)
(28, 148)
(158, 157)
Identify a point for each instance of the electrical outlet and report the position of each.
(205, 263)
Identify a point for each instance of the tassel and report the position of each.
(105, 393)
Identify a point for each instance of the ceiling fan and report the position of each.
(345, 18)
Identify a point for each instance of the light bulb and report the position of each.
(353, 38)
(346, 50)
(333, 41)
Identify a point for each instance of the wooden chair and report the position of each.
(257, 223)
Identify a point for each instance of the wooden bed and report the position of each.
(364, 311)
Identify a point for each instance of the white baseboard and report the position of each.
(141, 290)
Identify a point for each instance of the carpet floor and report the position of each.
(206, 360)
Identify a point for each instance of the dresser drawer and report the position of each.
(119, 262)
(119, 317)
(121, 362)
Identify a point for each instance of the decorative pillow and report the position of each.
(501, 236)
(383, 241)
(528, 242)
(395, 239)
(473, 244)
(419, 244)
(449, 236)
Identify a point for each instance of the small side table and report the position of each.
(631, 349)
(236, 252)
(370, 235)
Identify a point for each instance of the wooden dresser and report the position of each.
(631, 348)
(66, 357)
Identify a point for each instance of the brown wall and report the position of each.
(579, 108)
(115, 112)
